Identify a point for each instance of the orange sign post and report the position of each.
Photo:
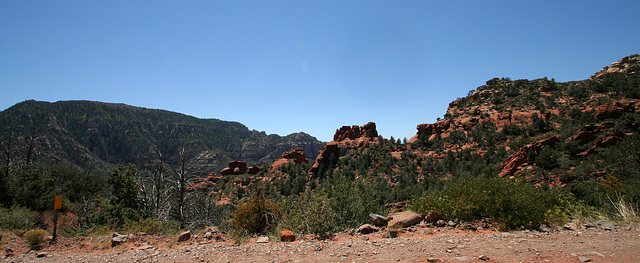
(57, 205)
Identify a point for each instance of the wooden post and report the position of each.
(57, 205)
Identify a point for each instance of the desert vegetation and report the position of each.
(575, 152)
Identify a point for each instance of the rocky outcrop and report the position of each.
(346, 138)
(354, 132)
(607, 141)
(616, 109)
(298, 155)
(235, 167)
(590, 132)
(629, 64)
(512, 164)
(254, 169)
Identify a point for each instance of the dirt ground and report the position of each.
(412, 245)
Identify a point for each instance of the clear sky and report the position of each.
(312, 66)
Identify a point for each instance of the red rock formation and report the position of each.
(511, 165)
(616, 109)
(296, 156)
(629, 64)
(345, 138)
(235, 167)
(609, 140)
(354, 132)
(254, 169)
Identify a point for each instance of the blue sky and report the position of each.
(312, 66)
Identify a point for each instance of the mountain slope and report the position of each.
(97, 135)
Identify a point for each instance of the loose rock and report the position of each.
(287, 236)
(118, 239)
(404, 219)
(367, 229)
(378, 220)
(184, 236)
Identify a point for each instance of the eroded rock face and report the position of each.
(296, 156)
(254, 169)
(628, 64)
(354, 132)
(511, 165)
(346, 138)
(616, 109)
(235, 167)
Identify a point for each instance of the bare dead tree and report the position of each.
(155, 194)
(182, 179)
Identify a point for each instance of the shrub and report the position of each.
(35, 237)
(256, 216)
(152, 227)
(17, 218)
(310, 214)
(510, 203)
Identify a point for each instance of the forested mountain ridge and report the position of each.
(98, 136)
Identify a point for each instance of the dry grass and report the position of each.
(625, 211)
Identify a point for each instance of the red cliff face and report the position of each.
(345, 138)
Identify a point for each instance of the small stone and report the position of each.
(584, 259)
(570, 226)
(367, 229)
(392, 233)
(145, 247)
(42, 254)
(483, 258)
(604, 225)
(433, 260)
(263, 240)
(118, 239)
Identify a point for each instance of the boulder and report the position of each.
(118, 239)
(378, 220)
(404, 219)
(367, 229)
(287, 236)
(184, 236)
(433, 217)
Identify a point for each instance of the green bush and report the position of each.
(256, 216)
(152, 227)
(35, 237)
(310, 214)
(511, 203)
(17, 218)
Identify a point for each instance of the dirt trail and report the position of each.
(423, 245)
